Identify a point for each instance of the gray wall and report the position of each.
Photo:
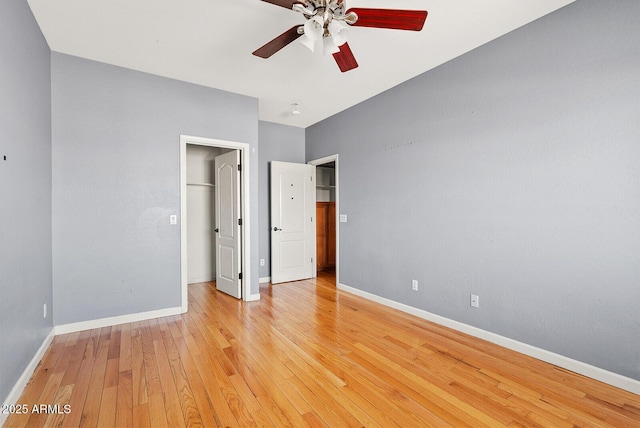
(116, 181)
(25, 187)
(277, 143)
(512, 172)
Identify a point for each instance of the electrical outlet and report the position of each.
(475, 301)
(44, 310)
(173, 219)
(414, 284)
(261, 262)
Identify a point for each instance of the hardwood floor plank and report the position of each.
(190, 412)
(153, 386)
(223, 414)
(62, 398)
(141, 418)
(305, 355)
(478, 418)
(124, 357)
(172, 406)
(79, 392)
(108, 406)
(205, 408)
(139, 389)
(124, 402)
(91, 408)
(39, 417)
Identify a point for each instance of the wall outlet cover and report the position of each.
(475, 301)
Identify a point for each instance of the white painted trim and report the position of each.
(585, 369)
(21, 384)
(264, 279)
(316, 162)
(200, 279)
(252, 298)
(111, 321)
(245, 211)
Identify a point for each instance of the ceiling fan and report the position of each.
(327, 23)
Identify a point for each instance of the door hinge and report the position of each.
(240, 275)
(239, 222)
(239, 167)
(311, 259)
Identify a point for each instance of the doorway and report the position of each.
(217, 146)
(201, 195)
(327, 215)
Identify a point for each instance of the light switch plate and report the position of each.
(343, 218)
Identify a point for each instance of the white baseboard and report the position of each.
(585, 369)
(264, 279)
(252, 297)
(18, 388)
(121, 319)
(200, 279)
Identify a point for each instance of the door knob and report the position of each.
(275, 229)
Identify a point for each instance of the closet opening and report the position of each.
(327, 242)
(214, 239)
(201, 193)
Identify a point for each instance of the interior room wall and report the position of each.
(513, 173)
(116, 139)
(25, 186)
(277, 143)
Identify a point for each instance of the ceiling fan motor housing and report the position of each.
(326, 11)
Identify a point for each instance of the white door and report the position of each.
(228, 230)
(293, 227)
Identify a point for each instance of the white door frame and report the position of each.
(318, 162)
(244, 212)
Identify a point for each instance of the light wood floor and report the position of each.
(305, 355)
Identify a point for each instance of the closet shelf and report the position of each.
(201, 184)
(324, 186)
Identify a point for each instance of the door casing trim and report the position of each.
(245, 152)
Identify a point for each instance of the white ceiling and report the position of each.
(209, 42)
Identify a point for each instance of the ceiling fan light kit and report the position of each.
(309, 43)
(313, 28)
(328, 21)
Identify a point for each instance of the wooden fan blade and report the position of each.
(278, 43)
(345, 59)
(287, 4)
(394, 19)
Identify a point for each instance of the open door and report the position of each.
(228, 224)
(293, 228)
